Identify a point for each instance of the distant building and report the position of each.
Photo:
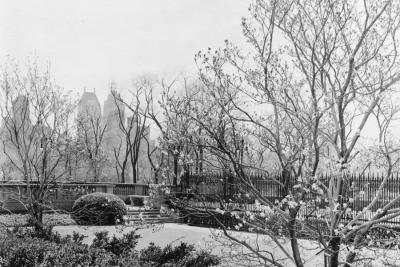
(113, 115)
(17, 137)
(114, 139)
(21, 111)
(89, 105)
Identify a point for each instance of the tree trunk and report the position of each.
(156, 177)
(201, 159)
(175, 181)
(334, 247)
(36, 213)
(134, 174)
(122, 176)
(285, 181)
(134, 154)
(123, 167)
(335, 241)
(293, 239)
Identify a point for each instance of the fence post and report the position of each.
(109, 188)
(185, 181)
(182, 181)
(225, 186)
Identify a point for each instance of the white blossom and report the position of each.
(314, 186)
(218, 210)
(292, 204)
(296, 186)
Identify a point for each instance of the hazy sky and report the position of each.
(90, 43)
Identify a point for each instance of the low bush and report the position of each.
(23, 248)
(39, 252)
(98, 209)
(182, 255)
(117, 246)
(47, 234)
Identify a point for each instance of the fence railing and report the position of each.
(362, 188)
(60, 196)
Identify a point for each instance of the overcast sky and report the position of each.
(90, 43)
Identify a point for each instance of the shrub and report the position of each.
(182, 255)
(46, 234)
(98, 209)
(151, 254)
(201, 258)
(117, 246)
(23, 248)
(175, 254)
(39, 252)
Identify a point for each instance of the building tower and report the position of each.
(89, 105)
(114, 138)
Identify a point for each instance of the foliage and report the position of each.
(98, 209)
(48, 234)
(22, 248)
(182, 255)
(35, 251)
(117, 246)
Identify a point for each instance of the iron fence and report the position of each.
(361, 189)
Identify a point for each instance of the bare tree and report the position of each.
(176, 128)
(134, 129)
(35, 112)
(90, 144)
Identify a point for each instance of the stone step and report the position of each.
(132, 217)
(152, 216)
(141, 223)
(143, 212)
(153, 221)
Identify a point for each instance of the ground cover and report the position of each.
(12, 220)
(27, 247)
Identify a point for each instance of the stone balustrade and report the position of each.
(61, 196)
